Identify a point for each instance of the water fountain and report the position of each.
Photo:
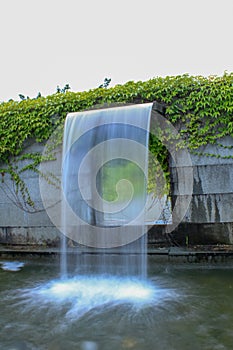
(104, 204)
(106, 300)
(104, 183)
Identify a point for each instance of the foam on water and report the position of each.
(11, 265)
(106, 289)
(83, 294)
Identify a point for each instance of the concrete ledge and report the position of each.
(214, 254)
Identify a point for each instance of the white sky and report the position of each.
(45, 43)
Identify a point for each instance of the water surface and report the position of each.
(182, 306)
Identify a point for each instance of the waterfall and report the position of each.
(104, 190)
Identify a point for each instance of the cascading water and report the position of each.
(104, 189)
(102, 209)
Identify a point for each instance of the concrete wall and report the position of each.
(209, 218)
(17, 225)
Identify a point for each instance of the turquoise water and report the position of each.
(182, 306)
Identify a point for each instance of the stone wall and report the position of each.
(17, 225)
(209, 218)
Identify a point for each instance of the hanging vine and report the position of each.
(200, 107)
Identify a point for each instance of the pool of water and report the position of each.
(179, 306)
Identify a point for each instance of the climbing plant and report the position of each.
(201, 108)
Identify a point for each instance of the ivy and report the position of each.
(200, 107)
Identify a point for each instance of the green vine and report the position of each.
(201, 108)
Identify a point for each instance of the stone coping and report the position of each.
(191, 251)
